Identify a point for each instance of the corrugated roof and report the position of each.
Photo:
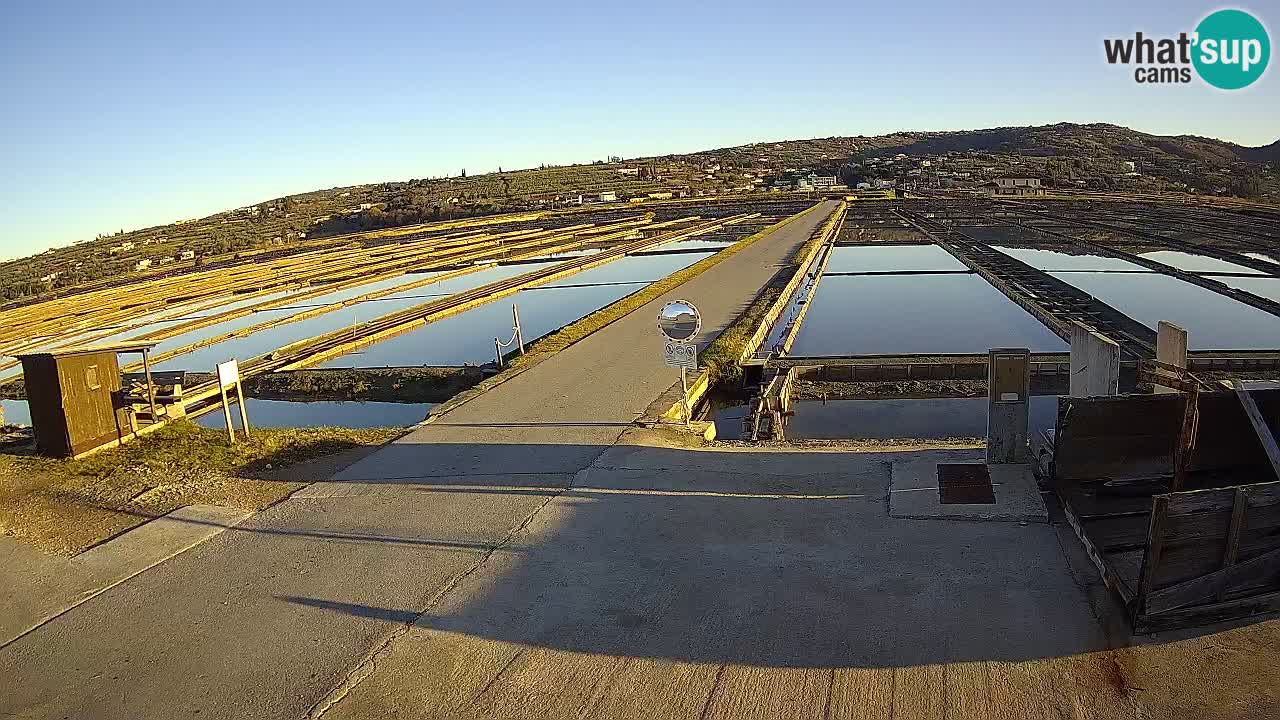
(133, 346)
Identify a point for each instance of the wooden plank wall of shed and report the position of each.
(1134, 436)
(92, 416)
(44, 398)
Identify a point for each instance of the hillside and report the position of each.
(1065, 155)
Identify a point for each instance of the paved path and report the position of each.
(672, 583)
(557, 416)
(237, 627)
(532, 555)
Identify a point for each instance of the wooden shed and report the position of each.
(75, 397)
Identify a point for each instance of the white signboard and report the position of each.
(228, 373)
(680, 354)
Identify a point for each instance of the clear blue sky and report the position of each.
(119, 115)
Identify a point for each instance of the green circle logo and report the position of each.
(1232, 49)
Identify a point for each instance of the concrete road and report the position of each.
(533, 555)
(238, 626)
(694, 584)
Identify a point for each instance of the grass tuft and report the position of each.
(66, 506)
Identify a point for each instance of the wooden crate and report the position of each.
(1206, 553)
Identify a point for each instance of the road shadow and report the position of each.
(759, 558)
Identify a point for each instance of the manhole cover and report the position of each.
(965, 484)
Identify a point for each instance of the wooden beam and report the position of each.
(1239, 506)
(1186, 438)
(1265, 436)
(1206, 586)
(1151, 556)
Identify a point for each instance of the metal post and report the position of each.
(244, 413)
(151, 387)
(684, 396)
(497, 349)
(515, 318)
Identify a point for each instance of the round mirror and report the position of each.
(679, 320)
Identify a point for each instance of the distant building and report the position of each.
(187, 255)
(660, 196)
(609, 196)
(1129, 166)
(629, 171)
(824, 181)
(1018, 186)
(366, 206)
(142, 264)
(167, 259)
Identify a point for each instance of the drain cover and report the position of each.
(965, 484)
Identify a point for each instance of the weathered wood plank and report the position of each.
(1110, 577)
(1207, 614)
(1232, 551)
(1207, 586)
(1265, 436)
(1134, 435)
(1189, 502)
(1151, 557)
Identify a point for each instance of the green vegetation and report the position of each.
(424, 385)
(722, 355)
(66, 506)
(1091, 157)
(183, 447)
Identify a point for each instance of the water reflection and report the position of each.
(468, 337)
(348, 414)
(267, 340)
(888, 258)
(1197, 263)
(931, 418)
(916, 314)
(1266, 287)
(16, 412)
(1213, 321)
(1054, 260)
(923, 419)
